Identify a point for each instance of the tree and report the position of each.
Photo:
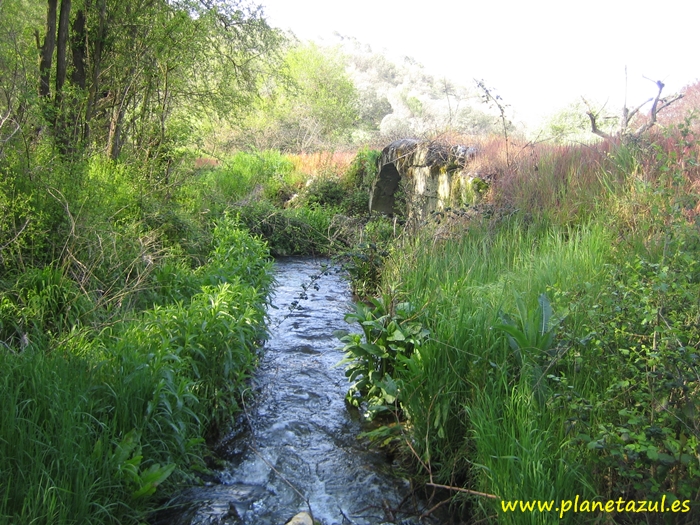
(123, 70)
(316, 104)
(627, 118)
(18, 69)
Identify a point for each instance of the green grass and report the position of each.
(582, 415)
(93, 422)
(461, 285)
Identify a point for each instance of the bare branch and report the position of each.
(630, 114)
(594, 126)
(667, 103)
(655, 108)
(658, 105)
(466, 491)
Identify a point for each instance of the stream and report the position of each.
(297, 441)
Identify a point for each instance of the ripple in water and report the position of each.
(300, 430)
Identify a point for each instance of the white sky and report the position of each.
(539, 55)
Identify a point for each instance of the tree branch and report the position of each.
(655, 108)
(594, 126)
(632, 113)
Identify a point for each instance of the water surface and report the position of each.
(299, 446)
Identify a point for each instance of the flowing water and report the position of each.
(298, 448)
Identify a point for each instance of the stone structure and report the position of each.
(431, 175)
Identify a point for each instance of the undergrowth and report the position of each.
(561, 355)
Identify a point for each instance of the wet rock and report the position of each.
(303, 518)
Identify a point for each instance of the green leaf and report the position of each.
(546, 311)
(151, 478)
(519, 340)
(373, 349)
(397, 335)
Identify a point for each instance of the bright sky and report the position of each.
(539, 55)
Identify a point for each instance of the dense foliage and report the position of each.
(551, 348)
(95, 417)
(542, 346)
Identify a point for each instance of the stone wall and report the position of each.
(431, 175)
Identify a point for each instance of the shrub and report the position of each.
(640, 425)
(297, 231)
(378, 358)
(327, 192)
(363, 169)
(364, 262)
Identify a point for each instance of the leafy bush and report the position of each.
(364, 265)
(365, 261)
(356, 202)
(327, 192)
(642, 424)
(296, 231)
(531, 338)
(363, 169)
(391, 335)
(21, 225)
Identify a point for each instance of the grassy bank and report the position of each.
(94, 421)
(131, 309)
(549, 351)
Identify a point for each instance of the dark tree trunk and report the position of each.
(47, 50)
(78, 46)
(61, 123)
(96, 64)
(61, 45)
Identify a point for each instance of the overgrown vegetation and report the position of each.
(562, 355)
(96, 415)
(129, 330)
(134, 273)
(542, 346)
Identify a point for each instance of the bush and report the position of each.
(641, 424)
(326, 192)
(297, 231)
(363, 169)
(21, 226)
(379, 357)
(356, 202)
(365, 261)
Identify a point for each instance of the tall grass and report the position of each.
(210, 192)
(93, 422)
(466, 370)
(322, 163)
(601, 230)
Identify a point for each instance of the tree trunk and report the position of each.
(61, 46)
(114, 142)
(78, 47)
(96, 64)
(47, 49)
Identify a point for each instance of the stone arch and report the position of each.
(433, 175)
(383, 197)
